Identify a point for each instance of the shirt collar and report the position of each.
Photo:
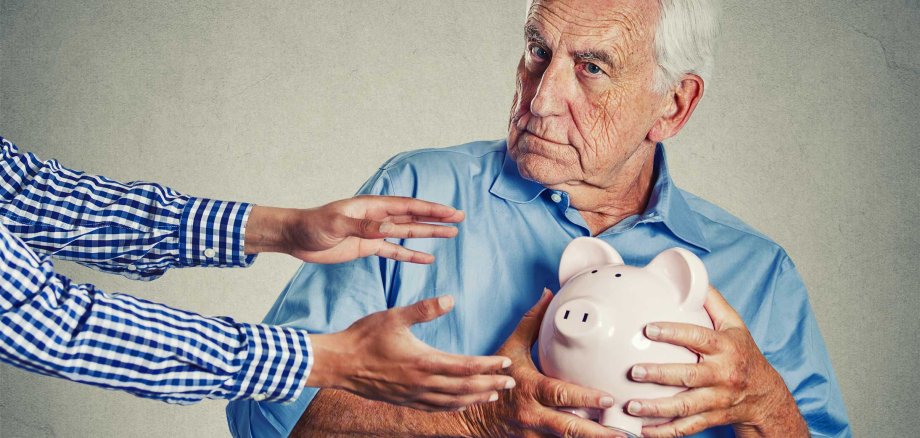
(511, 186)
(666, 202)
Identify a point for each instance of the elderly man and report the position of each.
(600, 85)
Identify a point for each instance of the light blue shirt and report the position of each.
(508, 250)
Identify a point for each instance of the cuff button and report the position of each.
(210, 253)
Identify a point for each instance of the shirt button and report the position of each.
(132, 268)
(557, 198)
(259, 397)
(210, 253)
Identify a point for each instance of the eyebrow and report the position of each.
(595, 55)
(533, 34)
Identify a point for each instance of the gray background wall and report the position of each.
(808, 132)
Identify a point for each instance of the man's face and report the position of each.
(585, 100)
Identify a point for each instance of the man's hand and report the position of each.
(349, 229)
(378, 358)
(530, 409)
(732, 384)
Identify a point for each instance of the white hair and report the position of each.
(684, 40)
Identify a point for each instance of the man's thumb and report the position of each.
(364, 228)
(529, 327)
(427, 310)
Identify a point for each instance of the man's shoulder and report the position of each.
(725, 226)
(468, 154)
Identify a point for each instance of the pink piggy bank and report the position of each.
(592, 333)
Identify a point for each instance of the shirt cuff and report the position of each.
(277, 366)
(212, 232)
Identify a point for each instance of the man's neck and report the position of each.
(606, 204)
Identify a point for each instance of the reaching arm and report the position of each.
(137, 229)
(140, 229)
(55, 327)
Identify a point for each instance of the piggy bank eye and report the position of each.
(594, 271)
(618, 275)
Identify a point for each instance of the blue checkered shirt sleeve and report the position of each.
(53, 326)
(136, 229)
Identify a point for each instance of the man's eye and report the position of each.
(539, 52)
(593, 69)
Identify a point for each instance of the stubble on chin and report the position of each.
(541, 166)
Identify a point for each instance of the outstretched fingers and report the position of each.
(383, 206)
(447, 364)
(382, 248)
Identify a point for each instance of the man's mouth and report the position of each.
(532, 127)
(544, 138)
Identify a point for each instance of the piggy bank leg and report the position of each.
(615, 418)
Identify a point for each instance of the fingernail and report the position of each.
(493, 397)
(510, 384)
(606, 402)
(506, 363)
(446, 301)
(652, 331)
(639, 373)
(386, 227)
(634, 407)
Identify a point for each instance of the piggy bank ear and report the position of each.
(687, 272)
(583, 253)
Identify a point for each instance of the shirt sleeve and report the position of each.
(796, 350)
(135, 229)
(52, 326)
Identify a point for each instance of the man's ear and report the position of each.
(583, 253)
(680, 102)
(686, 272)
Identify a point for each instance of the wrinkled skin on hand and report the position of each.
(529, 410)
(732, 384)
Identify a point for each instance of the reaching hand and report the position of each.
(378, 358)
(349, 229)
(732, 384)
(530, 409)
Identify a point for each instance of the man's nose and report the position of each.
(555, 87)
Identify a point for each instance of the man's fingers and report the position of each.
(414, 230)
(401, 206)
(363, 228)
(452, 402)
(699, 339)
(568, 425)
(529, 327)
(405, 219)
(448, 364)
(684, 404)
(425, 310)
(684, 426)
(382, 248)
(686, 375)
(470, 385)
(723, 315)
(556, 393)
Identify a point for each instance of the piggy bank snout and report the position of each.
(577, 318)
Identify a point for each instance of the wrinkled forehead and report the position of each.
(621, 22)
